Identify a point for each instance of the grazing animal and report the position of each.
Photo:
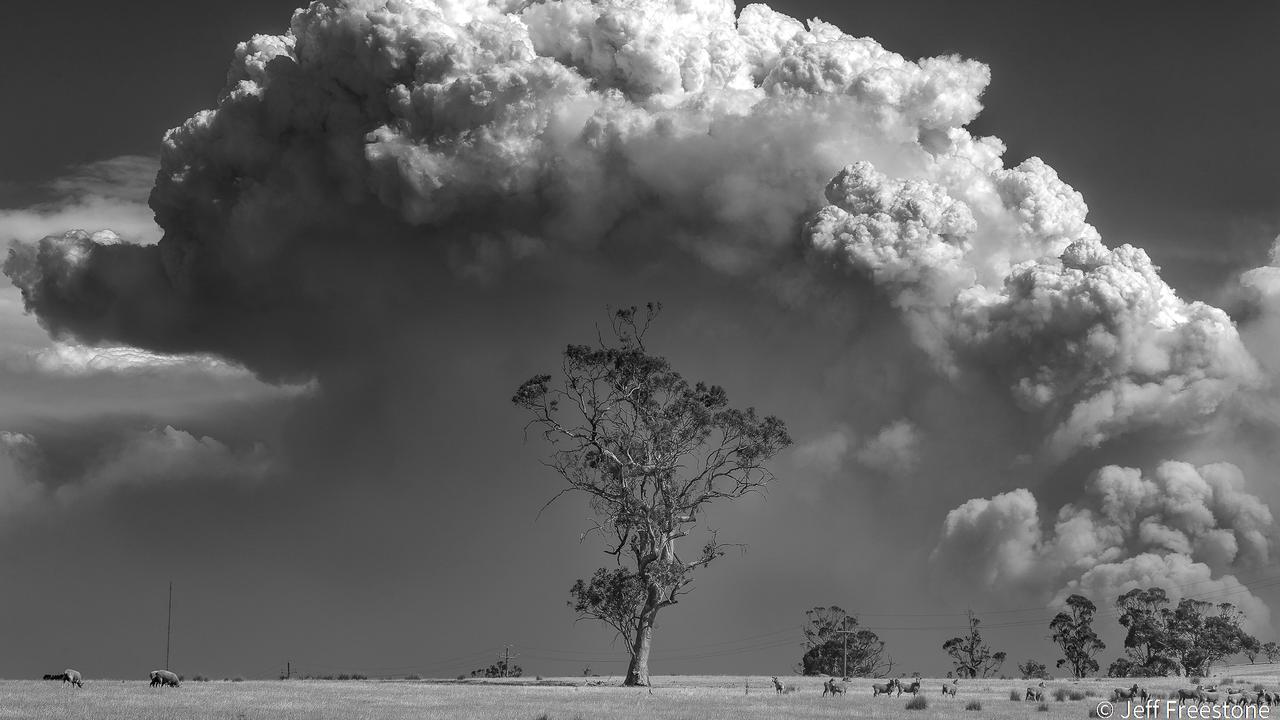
(883, 688)
(163, 677)
(1185, 694)
(777, 686)
(949, 689)
(1034, 693)
(837, 688)
(913, 688)
(73, 677)
(1122, 694)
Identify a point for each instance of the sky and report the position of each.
(269, 356)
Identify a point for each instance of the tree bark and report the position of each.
(638, 669)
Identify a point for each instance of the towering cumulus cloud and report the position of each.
(1175, 528)
(379, 155)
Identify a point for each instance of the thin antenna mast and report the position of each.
(168, 629)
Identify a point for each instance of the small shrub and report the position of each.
(917, 703)
(1077, 695)
(538, 678)
(1060, 694)
(1016, 696)
(237, 679)
(461, 677)
(1043, 707)
(199, 678)
(973, 705)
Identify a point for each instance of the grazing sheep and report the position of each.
(777, 686)
(1122, 694)
(913, 688)
(1185, 694)
(883, 688)
(163, 677)
(73, 677)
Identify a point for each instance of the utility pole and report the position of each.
(288, 669)
(168, 630)
(844, 664)
(506, 661)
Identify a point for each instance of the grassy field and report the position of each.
(673, 698)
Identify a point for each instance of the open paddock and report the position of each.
(673, 698)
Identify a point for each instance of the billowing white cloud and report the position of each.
(1089, 338)
(1175, 529)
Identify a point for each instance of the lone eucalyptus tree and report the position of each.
(651, 451)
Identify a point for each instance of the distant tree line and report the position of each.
(499, 669)
(1161, 639)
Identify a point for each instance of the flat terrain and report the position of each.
(673, 698)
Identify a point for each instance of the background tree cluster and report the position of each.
(499, 669)
(1185, 638)
(836, 646)
(1161, 639)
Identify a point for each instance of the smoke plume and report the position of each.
(381, 164)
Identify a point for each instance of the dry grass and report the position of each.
(673, 698)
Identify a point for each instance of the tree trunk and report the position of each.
(638, 670)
